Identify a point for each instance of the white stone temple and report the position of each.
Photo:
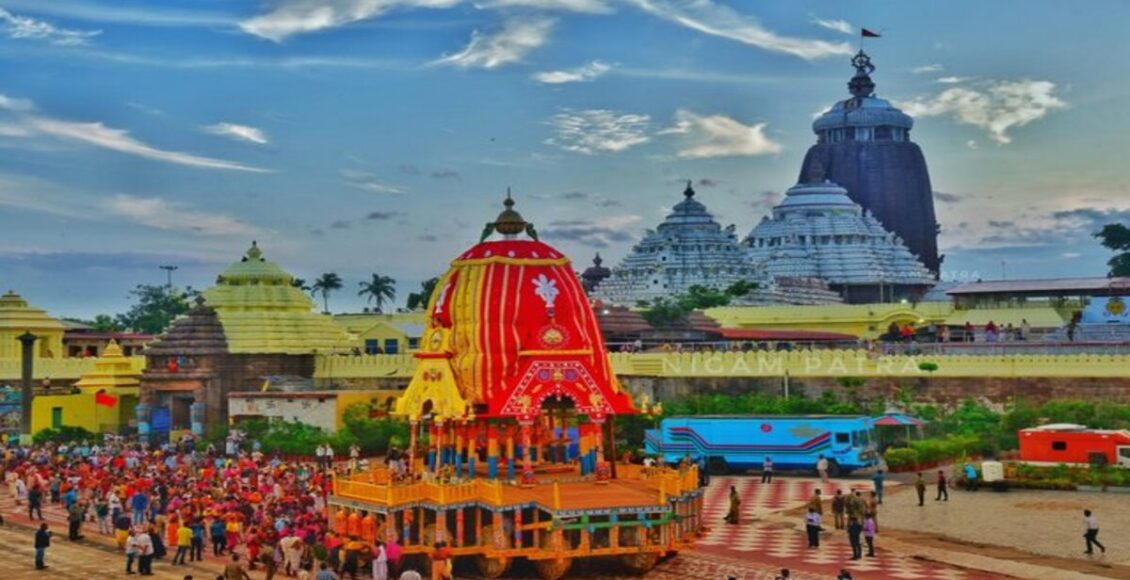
(689, 248)
(817, 231)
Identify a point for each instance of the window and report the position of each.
(1124, 452)
(372, 346)
(855, 438)
(392, 346)
(1059, 446)
(413, 342)
(842, 438)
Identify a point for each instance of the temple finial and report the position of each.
(689, 191)
(861, 84)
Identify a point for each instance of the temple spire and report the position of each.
(861, 85)
(689, 191)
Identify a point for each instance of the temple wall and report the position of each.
(937, 390)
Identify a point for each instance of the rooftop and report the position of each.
(1045, 287)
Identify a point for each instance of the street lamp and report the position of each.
(169, 271)
(27, 342)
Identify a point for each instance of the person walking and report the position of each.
(920, 488)
(767, 470)
(970, 477)
(75, 514)
(816, 502)
(854, 531)
(870, 528)
(733, 516)
(132, 550)
(839, 507)
(144, 553)
(1091, 535)
(812, 523)
(196, 554)
(217, 530)
(822, 468)
(42, 542)
(871, 509)
(380, 562)
(878, 479)
(942, 490)
(35, 502)
(184, 543)
(234, 570)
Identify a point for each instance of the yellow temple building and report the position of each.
(105, 402)
(17, 317)
(263, 312)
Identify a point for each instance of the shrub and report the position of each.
(63, 434)
(900, 457)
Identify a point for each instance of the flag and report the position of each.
(868, 34)
(105, 400)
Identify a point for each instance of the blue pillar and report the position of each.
(492, 467)
(196, 412)
(510, 468)
(431, 460)
(458, 464)
(142, 412)
(471, 466)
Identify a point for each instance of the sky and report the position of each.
(361, 136)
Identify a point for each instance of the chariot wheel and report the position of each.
(488, 566)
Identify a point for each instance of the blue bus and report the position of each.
(794, 442)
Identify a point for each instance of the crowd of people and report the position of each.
(176, 502)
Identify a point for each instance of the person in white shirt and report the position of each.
(767, 470)
(132, 549)
(822, 468)
(380, 562)
(1091, 535)
(320, 454)
(812, 523)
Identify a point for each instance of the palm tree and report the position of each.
(379, 289)
(325, 284)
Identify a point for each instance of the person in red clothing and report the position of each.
(943, 491)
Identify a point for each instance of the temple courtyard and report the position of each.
(982, 535)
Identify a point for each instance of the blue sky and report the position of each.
(361, 136)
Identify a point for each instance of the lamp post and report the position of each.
(27, 343)
(169, 274)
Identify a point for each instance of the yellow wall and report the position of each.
(862, 320)
(821, 363)
(383, 331)
(49, 345)
(56, 369)
(79, 410)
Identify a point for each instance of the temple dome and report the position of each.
(510, 325)
(261, 311)
(595, 274)
(18, 317)
(689, 248)
(818, 232)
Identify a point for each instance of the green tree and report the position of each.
(301, 284)
(378, 289)
(741, 288)
(324, 285)
(1116, 237)
(155, 307)
(419, 300)
(700, 298)
(665, 313)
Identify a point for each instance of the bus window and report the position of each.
(865, 438)
(842, 438)
(855, 438)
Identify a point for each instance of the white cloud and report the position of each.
(584, 6)
(972, 143)
(927, 68)
(292, 17)
(29, 28)
(368, 182)
(709, 18)
(996, 106)
(162, 214)
(576, 75)
(951, 80)
(719, 136)
(99, 135)
(238, 132)
(516, 38)
(594, 131)
(842, 26)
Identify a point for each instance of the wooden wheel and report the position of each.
(488, 566)
(553, 568)
(641, 562)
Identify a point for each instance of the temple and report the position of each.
(254, 323)
(691, 249)
(511, 406)
(688, 249)
(863, 144)
(817, 231)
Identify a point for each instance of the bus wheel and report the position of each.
(718, 466)
(834, 468)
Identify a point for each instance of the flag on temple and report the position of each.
(105, 400)
(869, 34)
